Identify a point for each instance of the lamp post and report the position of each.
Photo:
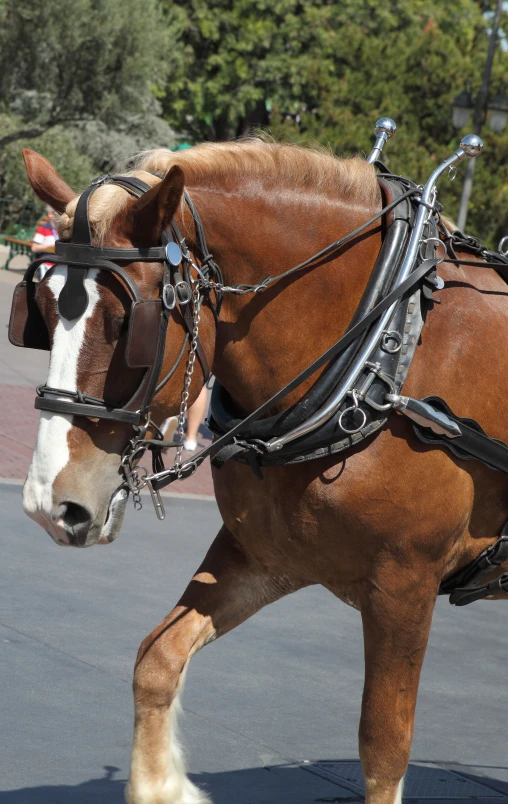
(463, 106)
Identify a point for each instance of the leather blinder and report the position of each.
(143, 336)
(26, 324)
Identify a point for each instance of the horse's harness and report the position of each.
(351, 400)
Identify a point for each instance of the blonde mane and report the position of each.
(230, 164)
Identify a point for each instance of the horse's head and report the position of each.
(75, 487)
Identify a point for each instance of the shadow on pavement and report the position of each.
(282, 784)
(274, 785)
(91, 792)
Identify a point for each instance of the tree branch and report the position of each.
(30, 133)
(25, 134)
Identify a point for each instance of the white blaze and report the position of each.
(51, 452)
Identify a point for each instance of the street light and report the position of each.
(463, 106)
(498, 108)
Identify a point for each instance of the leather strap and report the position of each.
(92, 411)
(95, 254)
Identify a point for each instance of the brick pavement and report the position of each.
(18, 432)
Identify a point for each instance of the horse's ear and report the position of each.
(45, 181)
(154, 211)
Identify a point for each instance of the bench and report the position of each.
(22, 244)
(16, 246)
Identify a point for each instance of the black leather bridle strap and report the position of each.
(93, 254)
(82, 409)
(103, 265)
(81, 226)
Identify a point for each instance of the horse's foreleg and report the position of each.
(396, 617)
(226, 590)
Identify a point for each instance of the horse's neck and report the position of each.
(264, 340)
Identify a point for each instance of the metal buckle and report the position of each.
(100, 180)
(439, 243)
(168, 296)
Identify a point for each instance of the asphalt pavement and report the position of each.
(270, 711)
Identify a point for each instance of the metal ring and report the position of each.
(391, 335)
(168, 296)
(357, 430)
(439, 242)
(503, 251)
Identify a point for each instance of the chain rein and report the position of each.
(196, 315)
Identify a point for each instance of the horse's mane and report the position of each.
(239, 164)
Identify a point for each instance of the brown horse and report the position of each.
(379, 525)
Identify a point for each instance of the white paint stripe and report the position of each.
(51, 452)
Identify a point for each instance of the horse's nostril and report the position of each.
(75, 519)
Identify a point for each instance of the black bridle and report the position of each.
(148, 318)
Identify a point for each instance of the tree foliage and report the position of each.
(322, 72)
(79, 84)
(89, 59)
(95, 76)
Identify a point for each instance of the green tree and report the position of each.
(87, 60)
(320, 72)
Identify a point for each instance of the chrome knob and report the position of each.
(386, 126)
(472, 145)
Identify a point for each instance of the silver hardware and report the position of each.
(422, 216)
(391, 335)
(375, 371)
(100, 180)
(135, 481)
(424, 414)
(157, 501)
(438, 242)
(471, 145)
(452, 173)
(173, 253)
(196, 304)
(384, 129)
(354, 409)
(503, 246)
(168, 296)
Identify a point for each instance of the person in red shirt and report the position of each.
(43, 243)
